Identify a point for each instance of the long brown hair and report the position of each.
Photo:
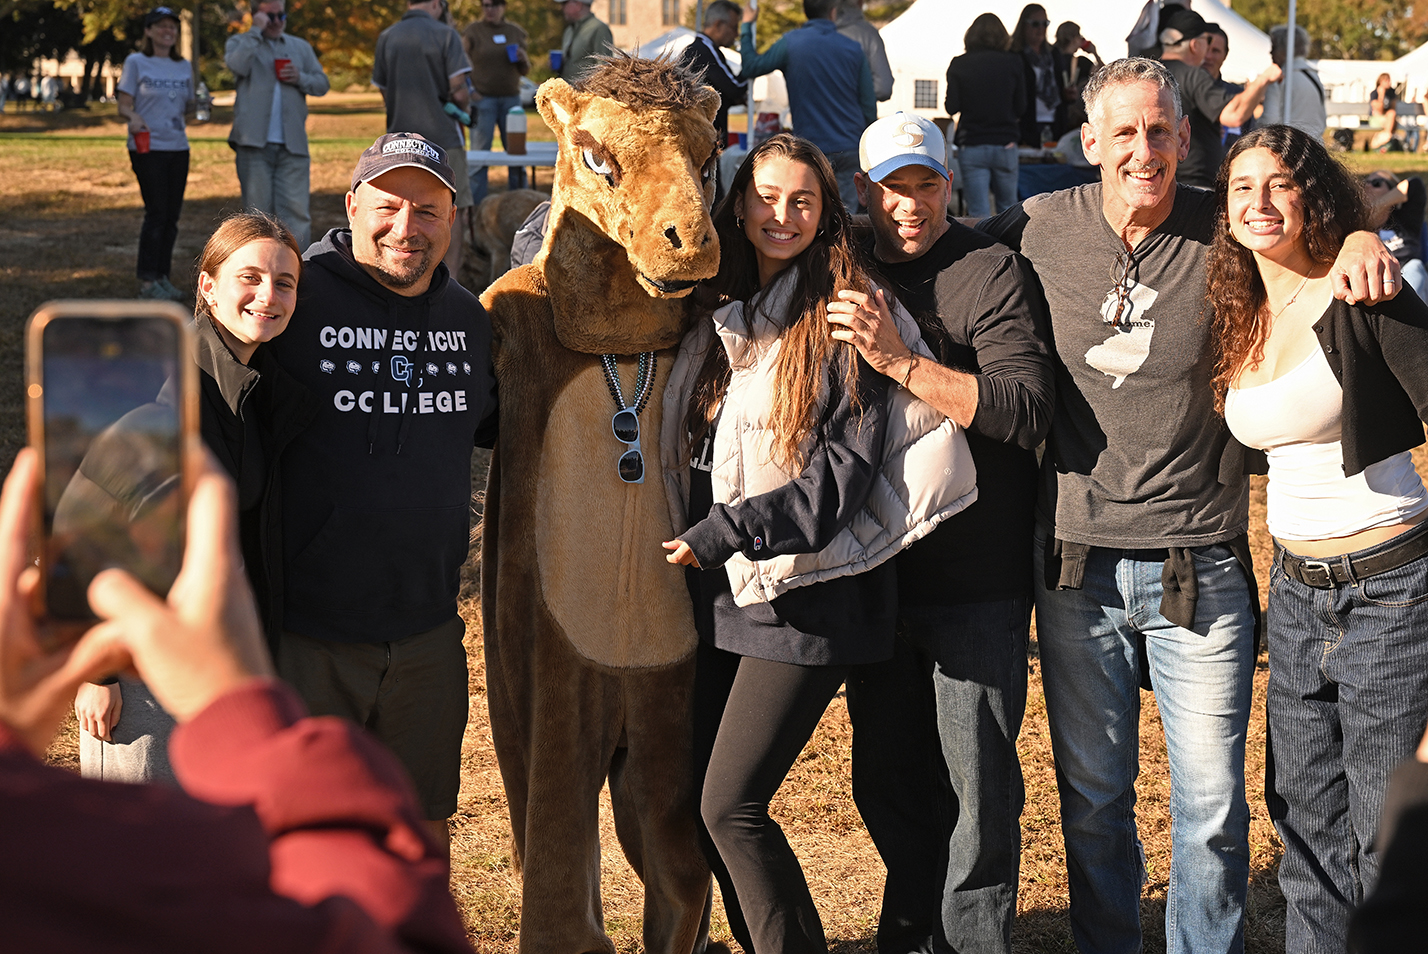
(234, 232)
(1332, 209)
(1018, 37)
(830, 263)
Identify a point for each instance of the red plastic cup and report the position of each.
(141, 141)
(279, 66)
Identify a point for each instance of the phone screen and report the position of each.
(112, 454)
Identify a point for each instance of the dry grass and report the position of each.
(71, 229)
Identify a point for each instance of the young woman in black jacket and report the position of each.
(1336, 395)
(248, 410)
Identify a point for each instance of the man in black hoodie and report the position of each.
(376, 493)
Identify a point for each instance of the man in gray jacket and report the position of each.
(276, 73)
(851, 23)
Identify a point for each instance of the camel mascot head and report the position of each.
(630, 206)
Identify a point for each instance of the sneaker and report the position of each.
(169, 291)
(152, 291)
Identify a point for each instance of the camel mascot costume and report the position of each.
(589, 633)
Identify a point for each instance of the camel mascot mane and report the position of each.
(589, 634)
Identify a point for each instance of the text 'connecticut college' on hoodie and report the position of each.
(377, 490)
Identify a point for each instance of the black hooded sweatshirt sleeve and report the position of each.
(376, 495)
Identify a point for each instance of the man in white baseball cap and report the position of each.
(936, 726)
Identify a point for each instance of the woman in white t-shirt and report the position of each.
(1335, 394)
(156, 95)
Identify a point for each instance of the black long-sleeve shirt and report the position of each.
(988, 89)
(703, 55)
(989, 304)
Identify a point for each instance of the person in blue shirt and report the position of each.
(830, 86)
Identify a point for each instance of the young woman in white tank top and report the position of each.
(1347, 626)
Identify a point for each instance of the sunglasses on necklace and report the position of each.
(626, 425)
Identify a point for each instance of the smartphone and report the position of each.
(112, 404)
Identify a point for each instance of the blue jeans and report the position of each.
(936, 775)
(491, 115)
(1348, 698)
(1202, 679)
(988, 169)
(845, 164)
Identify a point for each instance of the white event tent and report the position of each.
(922, 41)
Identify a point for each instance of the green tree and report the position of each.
(1348, 29)
(30, 29)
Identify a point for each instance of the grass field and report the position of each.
(71, 231)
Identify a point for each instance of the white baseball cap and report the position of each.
(899, 140)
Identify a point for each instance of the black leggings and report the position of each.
(162, 176)
(752, 719)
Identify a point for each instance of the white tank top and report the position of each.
(1296, 419)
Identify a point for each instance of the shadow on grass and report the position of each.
(344, 108)
(1048, 930)
(91, 117)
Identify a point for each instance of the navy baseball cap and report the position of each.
(396, 150)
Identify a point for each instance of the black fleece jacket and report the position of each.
(247, 415)
(376, 492)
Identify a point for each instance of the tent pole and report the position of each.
(749, 104)
(1289, 52)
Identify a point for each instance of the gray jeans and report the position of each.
(276, 181)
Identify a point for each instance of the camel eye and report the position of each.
(597, 166)
(707, 173)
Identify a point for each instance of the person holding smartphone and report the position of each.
(249, 409)
(155, 96)
(292, 834)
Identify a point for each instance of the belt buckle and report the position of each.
(1309, 570)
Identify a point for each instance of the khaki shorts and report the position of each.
(410, 693)
(456, 158)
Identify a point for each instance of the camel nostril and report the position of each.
(708, 237)
(672, 234)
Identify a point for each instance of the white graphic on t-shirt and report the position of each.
(1122, 354)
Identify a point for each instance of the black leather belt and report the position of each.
(1325, 574)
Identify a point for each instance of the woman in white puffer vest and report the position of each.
(799, 473)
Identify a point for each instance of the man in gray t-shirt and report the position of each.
(1185, 39)
(1142, 560)
(420, 66)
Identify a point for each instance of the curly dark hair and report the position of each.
(1333, 207)
(832, 262)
